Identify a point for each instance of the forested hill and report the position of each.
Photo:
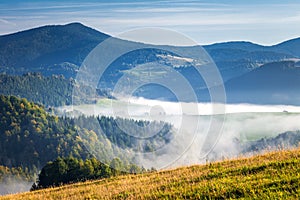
(50, 91)
(30, 137)
(53, 49)
(54, 90)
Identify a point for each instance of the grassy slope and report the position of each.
(270, 176)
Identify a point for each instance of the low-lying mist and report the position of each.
(197, 139)
(11, 184)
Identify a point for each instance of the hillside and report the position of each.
(50, 91)
(272, 83)
(30, 137)
(269, 176)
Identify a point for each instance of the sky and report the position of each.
(206, 22)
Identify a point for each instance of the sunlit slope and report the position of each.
(269, 176)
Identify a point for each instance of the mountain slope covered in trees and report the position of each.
(30, 137)
(53, 49)
(49, 91)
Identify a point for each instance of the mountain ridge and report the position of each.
(61, 49)
(80, 39)
(245, 43)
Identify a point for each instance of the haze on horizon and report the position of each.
(206, 22)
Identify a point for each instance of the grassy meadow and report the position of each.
(274, 175)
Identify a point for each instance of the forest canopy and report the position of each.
(30, 138)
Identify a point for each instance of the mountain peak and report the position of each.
(74, 28)
(51, 44)
(74, 24)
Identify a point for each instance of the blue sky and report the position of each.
(263, 22)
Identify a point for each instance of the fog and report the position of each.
(141, 106)
(203, 131)
(11, 185)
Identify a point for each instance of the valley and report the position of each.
(172, 117)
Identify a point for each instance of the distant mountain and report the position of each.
(291, 47)
(238, 58)
(272, 83)
(61, 49)
(55, 49)
(235, 45)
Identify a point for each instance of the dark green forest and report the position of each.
(50, 91)
(30, 138)
(54, 90)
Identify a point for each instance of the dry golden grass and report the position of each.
(274, 175)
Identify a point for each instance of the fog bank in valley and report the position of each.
(197, 139)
